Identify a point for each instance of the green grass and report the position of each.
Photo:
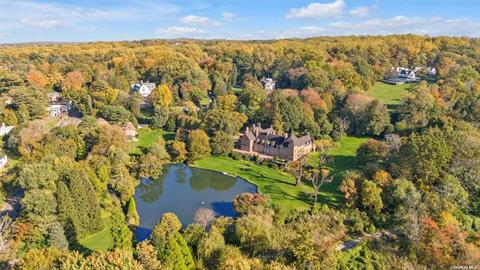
(100, 241)
(147, 137)
(390, 95)
(280, 186)
(237, 89)
(344, 159)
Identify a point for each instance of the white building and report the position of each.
(4, 130)
(143, 89)
(3, 161)
(59, 108)
(268, 84)
(405, 73)
(432, 71)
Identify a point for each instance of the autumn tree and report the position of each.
(161, 96)
(198, 145)
(296, 168)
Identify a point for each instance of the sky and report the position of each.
(109, 20)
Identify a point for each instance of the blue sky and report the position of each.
(90, 20)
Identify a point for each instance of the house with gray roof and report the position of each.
(257, 140)
(143, 88)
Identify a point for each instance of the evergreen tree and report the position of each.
(86, 208)
(121, 234)
(132, 215)
(65, 210)
(56, 237)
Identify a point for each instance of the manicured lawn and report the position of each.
(390, 95)
(147, 137)
(344, 159)
(99, 241)
(280, 186)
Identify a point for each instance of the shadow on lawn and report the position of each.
(392, 107)
(252, 172)
(329, 192)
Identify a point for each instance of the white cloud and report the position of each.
(40, 14)
(46, 23)
(228, 16)
(312, 29)
(179, 31)
(403, 25)
(317, 10)
(360, 12)
(198, 20)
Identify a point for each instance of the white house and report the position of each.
(405, 73)
(143, 89)
(4, 130)
(432, 71)
(54, 97)
(3, 161)
(268, 84)
(59, 108)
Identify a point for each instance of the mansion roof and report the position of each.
(259, 135)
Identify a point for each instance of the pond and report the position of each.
(183, 190)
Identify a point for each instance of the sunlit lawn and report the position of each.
(280, 186)
(344, 159)
(390, 95)
(147, 137)
(99, 241)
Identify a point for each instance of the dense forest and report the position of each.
(413, 192)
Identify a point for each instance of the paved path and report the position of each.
(12, 206)
(354, 242)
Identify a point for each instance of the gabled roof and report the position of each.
(302, 140)
(250, 135)
(269, 135)
(129, 126)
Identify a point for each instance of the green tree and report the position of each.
(151, 163)
(121, 234)
(56, 237)
(87, 218)
(177, 151)
(221, 143)
(376, 118)
(198, 145)
(426, 155)
(371, 196)
(172, 249)
(147, 256)
(132, 214)
(33, 102)
(116, 114)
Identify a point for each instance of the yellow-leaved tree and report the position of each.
(161, 96)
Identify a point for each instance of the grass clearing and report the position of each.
(344, 159)
(147, 137)
(100, 241)
(390, 95)
(280, 186)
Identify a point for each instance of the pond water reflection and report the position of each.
(182, 190)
